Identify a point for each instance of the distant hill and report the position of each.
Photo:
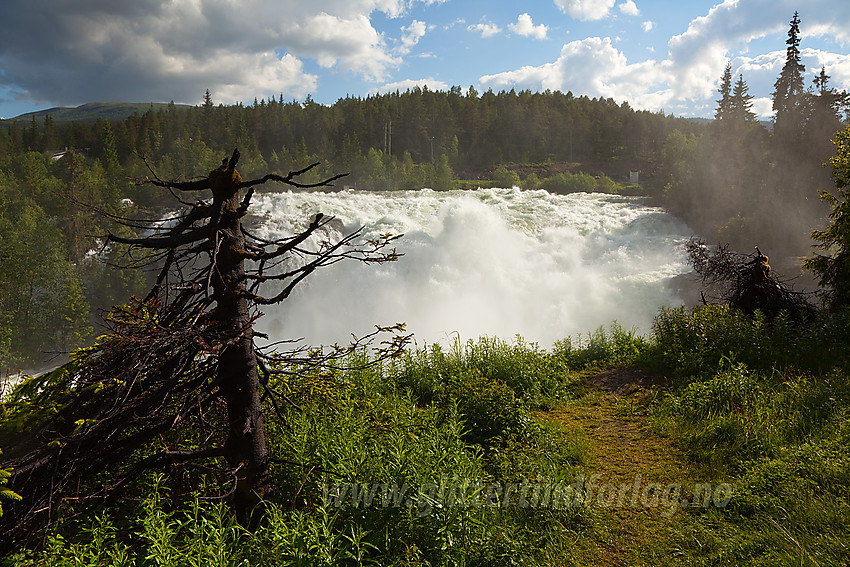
(94, 110)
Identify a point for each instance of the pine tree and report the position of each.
(826, 101)
(724, 105)
(833, 266)
(825, 105)
(789, 95)
(742, 102)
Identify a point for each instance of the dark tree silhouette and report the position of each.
(745, 281)
(182, 356)
(789, 94)
(724, 105)
(832, 264)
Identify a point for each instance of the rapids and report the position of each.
(496, 262)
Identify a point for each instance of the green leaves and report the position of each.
(5, 493)
(833, 266)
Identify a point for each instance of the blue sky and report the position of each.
(655, 55)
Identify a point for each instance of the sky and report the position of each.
(656, 55)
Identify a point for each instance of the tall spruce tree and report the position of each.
(742, 102)
(789, 94)
(724, 105)
(826, 107)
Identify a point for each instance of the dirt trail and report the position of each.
(628, 458)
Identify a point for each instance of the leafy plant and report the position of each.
(5, 493)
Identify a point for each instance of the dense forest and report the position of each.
(732, 179)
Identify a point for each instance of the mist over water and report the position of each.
(497, 262)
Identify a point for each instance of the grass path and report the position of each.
(626, 454)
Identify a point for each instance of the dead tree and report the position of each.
(181, 355)
(745, 281)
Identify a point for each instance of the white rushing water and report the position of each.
(496, 262)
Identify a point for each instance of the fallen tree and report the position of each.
(178, 380)
(745, 281)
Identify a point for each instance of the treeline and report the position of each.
(391, 141)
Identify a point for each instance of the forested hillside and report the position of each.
(405, 140)
(381, 139)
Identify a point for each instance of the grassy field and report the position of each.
(716, 440)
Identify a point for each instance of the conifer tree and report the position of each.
(788, 95)
(724, 105)
(826, 106)
(742, 102)
(833, 266)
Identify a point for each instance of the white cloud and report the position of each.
(486, 30)
(352, 44)
(265, 74)
(763, 107)
(591, 66)
(408, 84)
(586, 9)
(174, 49)
(411, 35)
(686, 81)
(629, 8)
(525, 27)
(837, 66)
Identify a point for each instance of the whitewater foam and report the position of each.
(496, 262)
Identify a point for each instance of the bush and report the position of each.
(503, 177)
(619, 347)
(578, 183)
(692, 343)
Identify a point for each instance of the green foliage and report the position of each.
(833, 267)
(5, 493)
(601, 348)
(51, 280)
(780, 440)
(502, 177)
(578, 183)
(691, 343)
(42, 303)
(765, 408)
(364, 427)
(536, 377)
(531, 182)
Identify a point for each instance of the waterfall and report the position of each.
(496, 262)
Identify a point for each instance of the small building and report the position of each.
(634, 177)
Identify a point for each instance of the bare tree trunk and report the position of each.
(245, 448)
